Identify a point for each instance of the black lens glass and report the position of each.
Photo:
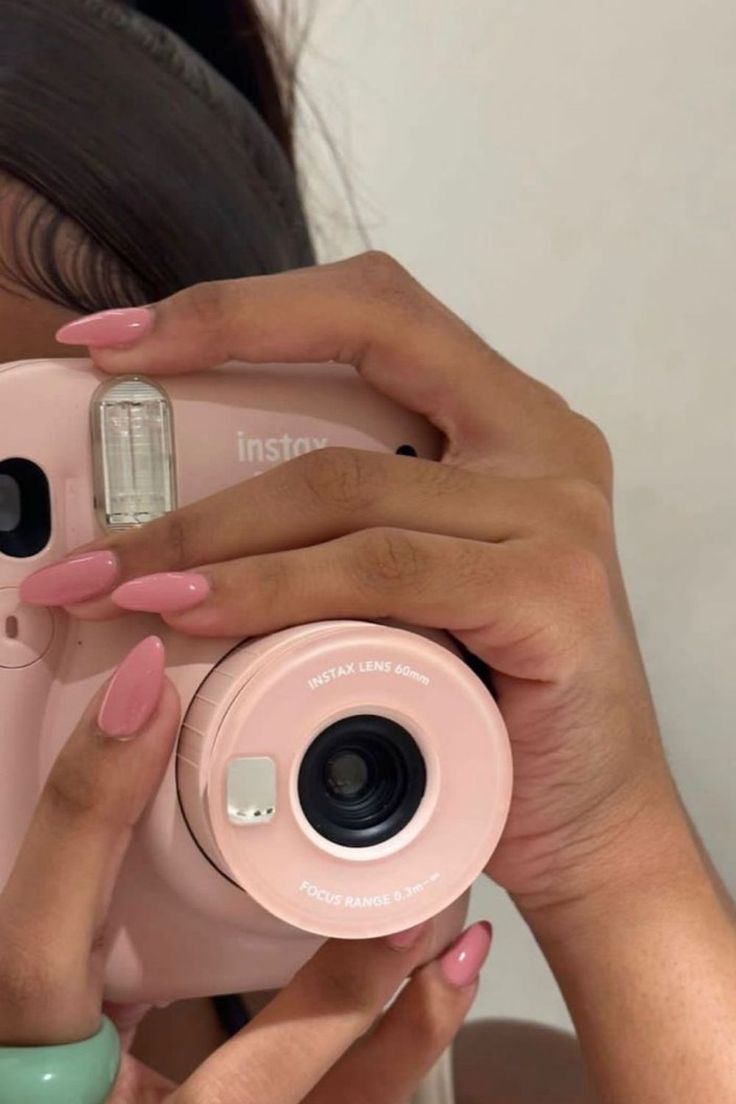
(362, 780)
(347, 775)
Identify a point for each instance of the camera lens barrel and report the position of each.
(351, 777)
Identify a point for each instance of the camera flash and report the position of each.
(133, 453)
(251, 790)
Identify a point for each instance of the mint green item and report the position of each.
(72, 1073)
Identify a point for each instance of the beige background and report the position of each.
(563, 174)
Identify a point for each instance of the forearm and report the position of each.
(648, 969)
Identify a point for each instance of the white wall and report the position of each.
(563, 174)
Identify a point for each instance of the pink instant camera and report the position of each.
(344, 778)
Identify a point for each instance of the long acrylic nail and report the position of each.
(167, 592)
(88, 575)
(402, 940)
(135, 690)
(464, 960)
(111, 327)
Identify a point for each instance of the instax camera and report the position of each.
(344, 778)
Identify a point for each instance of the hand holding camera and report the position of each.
(507, 543)
(54, 924)
(502, 536)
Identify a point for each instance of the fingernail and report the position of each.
(111, 327)
(87, 575)
(127, 1019)
(135, 690)
(125, 1016)
(167, 592)
(401, 940)
(464, 960)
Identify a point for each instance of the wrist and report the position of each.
(646, 962)
(650, 856)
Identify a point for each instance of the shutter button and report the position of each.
(26, 632)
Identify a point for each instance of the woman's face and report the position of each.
(28, 325)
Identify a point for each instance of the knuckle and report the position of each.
(340, 478)
(381, 271)
(445, 478)
(472, 568)
(390, 559)
(274, 581)
(347, 992)
(429, 1019)
(175, 536)
(584, 506)
(596, 452)
(550, 397)
(72, 790)
(387, 285)
(206, 305)
(583, 577)
(436, 1031)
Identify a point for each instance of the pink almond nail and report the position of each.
(464, 960)
(135, 690)
(112, 327)
(167, 592)
(88, 575)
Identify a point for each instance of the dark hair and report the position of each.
(131, 168)
(233, 37)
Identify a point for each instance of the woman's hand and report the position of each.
(507, 543)
(322, 1035)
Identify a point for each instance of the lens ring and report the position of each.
(392, 783)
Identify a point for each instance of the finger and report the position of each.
(53, 909)
(138, 1084)
(127, 1018)
(389, 1062)
(300, 1035)
(367, 312)
(308, 501)
(505, 599)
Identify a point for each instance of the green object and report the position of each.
(73, 1073)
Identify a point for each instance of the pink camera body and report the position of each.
(345, 778)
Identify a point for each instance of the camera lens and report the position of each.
(361, 780)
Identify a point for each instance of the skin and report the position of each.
(332, 1011)
(508, 543)
(28, 325)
